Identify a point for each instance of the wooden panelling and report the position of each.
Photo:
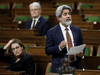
(90, 12)
(39, 50)
(8, 25)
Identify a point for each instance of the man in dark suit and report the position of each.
(37, 21)
(57, 43)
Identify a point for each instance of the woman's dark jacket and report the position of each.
(26, 63)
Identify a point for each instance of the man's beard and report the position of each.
(68, 22)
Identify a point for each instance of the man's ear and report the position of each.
(40, 10)
(59, 18)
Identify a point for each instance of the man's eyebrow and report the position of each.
(66, 13)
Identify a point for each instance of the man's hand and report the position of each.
(79, 54)
(63, 44)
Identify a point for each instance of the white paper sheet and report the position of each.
(76, 49)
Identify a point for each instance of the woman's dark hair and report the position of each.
(24, 52)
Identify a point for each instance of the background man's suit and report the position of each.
(53, 40)
(42, 25)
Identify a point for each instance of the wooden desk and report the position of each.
(4, 68)
(4, 18)
(91, 62)
(26, 36)
(39, 50)
(20, 32)
(91, 37)
(8, 25)
(41, 62)
(25, 11)
(84, 25)
(87, 72)
(81, 72)
(51, 74)
(77, 1)
(38, 40)
(40, 57)
(90, 12)
(13, 73)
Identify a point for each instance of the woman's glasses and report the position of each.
(15, 48)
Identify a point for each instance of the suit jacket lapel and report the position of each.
(61, 38)
(38, 23)
(30, 24)
(60, 35)
(73, 32)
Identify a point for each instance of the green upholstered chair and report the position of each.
(19, 6)
(48, 68)
(3, 6)
(66, 4)
(84, 6)
(46, 17)
(99, 67)
(98, 51)
(98, 54)
(1, 46)
(87, 52)
(22, 18)
(93, 18)
(26, 47)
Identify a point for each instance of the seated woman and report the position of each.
(20, 59)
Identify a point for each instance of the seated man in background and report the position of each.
(37, 21)
(61, 38)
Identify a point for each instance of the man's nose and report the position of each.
(33, 11)
(68, 15)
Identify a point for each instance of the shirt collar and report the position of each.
(36, 18)
(63, 27)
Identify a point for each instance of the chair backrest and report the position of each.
(35, 69)
(48, 68)
(1, 46)
(83, 5)
(92, 18)
(18, 5)
(98, 51)
(22, 18)
(26, 46)
(89, 50)
(98, 54)
(39, 50)
(4, 5)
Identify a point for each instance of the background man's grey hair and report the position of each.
(60, 9)
(35, 3)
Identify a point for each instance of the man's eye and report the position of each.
(31, 9)
(69, 13)
(65, 14)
